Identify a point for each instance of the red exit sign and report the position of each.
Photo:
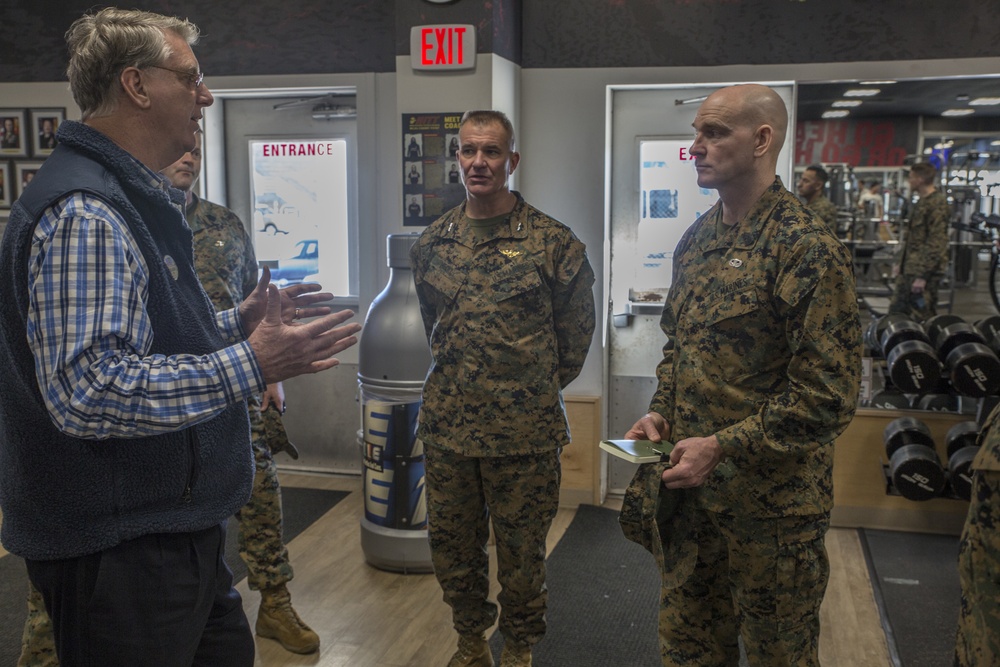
(443, 47)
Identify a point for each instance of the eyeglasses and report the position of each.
(193, 78)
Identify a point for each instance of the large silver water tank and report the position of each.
(393, 360)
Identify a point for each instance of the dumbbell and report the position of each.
(962, 443)
(914, 467)
(910, 360)
(889, 399)
(934, 324)
(937, 402)
(873, 334)
(989, 327)
(972, 367)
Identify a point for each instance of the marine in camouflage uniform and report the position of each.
(810, 188)
(924, 255)
(826, 210)
(227, 268)
(978, 642)
(764, 351)
(508, 307)
(760, 373)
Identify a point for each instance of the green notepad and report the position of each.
(638, 451)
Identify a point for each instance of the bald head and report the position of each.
(755, 105)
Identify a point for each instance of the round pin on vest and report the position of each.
(171, 266)
(735, 263)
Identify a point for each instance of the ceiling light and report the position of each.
(887, 82)
(944, 145)
(862, 92)
(839, 104)
(985, 102)
(958, 112)
(995, 142)
(835, 114)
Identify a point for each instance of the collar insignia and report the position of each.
(510, 254)
(735, 263)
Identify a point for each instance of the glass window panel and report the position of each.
(300, 218)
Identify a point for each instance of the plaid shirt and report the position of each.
(90, 334)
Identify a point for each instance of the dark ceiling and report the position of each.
(915, 97)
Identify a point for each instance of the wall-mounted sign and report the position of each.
(431, 182)
(442, 47)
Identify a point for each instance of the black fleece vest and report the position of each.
(63, 496)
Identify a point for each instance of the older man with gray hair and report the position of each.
(124, 440)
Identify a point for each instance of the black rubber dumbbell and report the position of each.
(914, 466)
(962, 441)
(971, 366)
(888, 399)
(989, 327)
(910, 360)
(937, 401)
(934, 324)
(873, 334)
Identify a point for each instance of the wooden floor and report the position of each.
(369, 618)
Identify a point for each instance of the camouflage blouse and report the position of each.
(826, 210)
(510, 319)
(764, 351)
(223, 254)
(925, 237)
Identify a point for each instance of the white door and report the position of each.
(291, 175)
(654, 199)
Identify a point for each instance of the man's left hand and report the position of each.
(693, 461)
(296, 302)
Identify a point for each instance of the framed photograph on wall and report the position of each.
(24, 172)
(13, 133)
(44, 123)
(6, 186)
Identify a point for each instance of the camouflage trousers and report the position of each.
(520, 495)
(261, 545)
(759, 579)
(919, 307)
(260, 541)
(978, 641)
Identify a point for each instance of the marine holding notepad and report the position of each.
(759, 375)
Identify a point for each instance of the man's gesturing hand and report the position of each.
(296, 302)
(286, 350)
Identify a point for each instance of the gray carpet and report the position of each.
(915, 577)
(301, 508)
(603, 598)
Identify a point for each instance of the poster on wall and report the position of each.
(860, 143)
(431, 183)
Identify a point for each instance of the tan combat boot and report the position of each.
(277, 620)
(473, 651)
(515, 655)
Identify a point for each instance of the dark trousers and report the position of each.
(163, 599)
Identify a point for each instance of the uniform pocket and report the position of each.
(444, 278)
